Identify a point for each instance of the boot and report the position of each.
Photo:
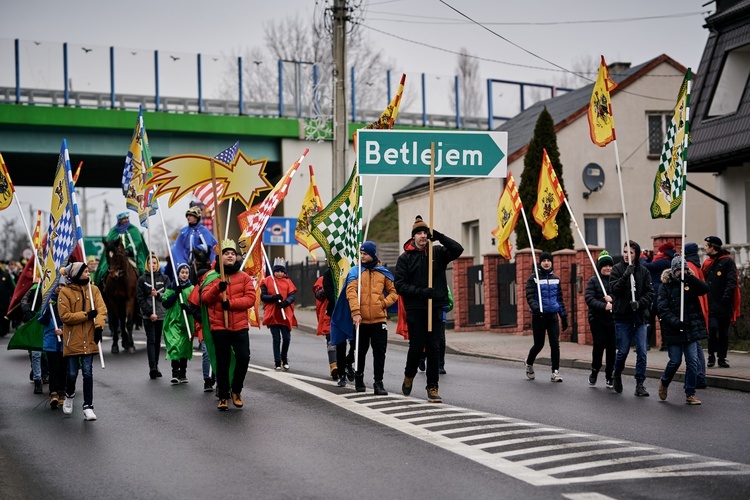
(711, 360)
(334, 370)
(342, 380)
(38, 388)
(359, 382)
(379, 389)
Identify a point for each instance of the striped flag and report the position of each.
(6, 186)
(508, 209)
(205, 193)
(36, 238)
(338, 229)
(64, 228)
(311, 205)
(550, 198)
(670, 181)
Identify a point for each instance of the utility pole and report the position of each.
(340, 139)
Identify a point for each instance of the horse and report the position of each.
(120, 287)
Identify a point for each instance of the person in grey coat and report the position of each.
(153, 311)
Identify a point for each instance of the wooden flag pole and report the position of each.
(429, 241)
(217, 233)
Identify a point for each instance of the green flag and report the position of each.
(669, 184)
(28, 336)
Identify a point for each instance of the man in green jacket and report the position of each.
(133, 242)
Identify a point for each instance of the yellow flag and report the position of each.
(389, 115)
(601, 121)
(508, 209)
(311, 205)
(549, 199)
(6, 186)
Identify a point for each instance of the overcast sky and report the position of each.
(531, 38)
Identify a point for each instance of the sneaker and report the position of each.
(723, 363)
(223, 404)
(379, 389)
(277, 365)
(662, 390)
(711, 361)
(641, 391)
(208, 385)
(617, 384)
(237, 400)
(53, 401)
(692, 400)
(359, 383)
(350, 373)
(131, 349)
(555, 377)
(68, 405)
(285, 365)
(529, 371)
(406, 385)
(38, 387)
(88, 413)
(433, 396)
(342, 381)
(182, 380)
(422, 364)
(158, 374)
(174, 380)
(152, 374)
(593, 376)
(609, 383)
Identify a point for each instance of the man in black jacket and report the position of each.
(632, 296)
(412, 284)
(720, 272)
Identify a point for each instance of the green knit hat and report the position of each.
(604, 260)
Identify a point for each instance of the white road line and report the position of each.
(552, 447)
(582, 454)
(453, 433)
(499, 442)
(586, 496)
(613, 461)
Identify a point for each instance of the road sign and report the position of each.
(457, 153)
(93, 245)
(280, 231)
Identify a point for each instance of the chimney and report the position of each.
(616, 68)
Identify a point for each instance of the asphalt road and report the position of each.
(498, 435)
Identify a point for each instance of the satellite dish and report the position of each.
(593, 178)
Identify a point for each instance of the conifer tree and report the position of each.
(544, 138)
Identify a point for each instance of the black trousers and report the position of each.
(604, 343)
(58, 372)
(718, 336)
(153, 341)
(375, 335)
(545, 323)
(419, 339)
(342, 358)
(224, 342)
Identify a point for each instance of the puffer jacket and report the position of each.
(241, 297)
(668, 305)
(374, 302)
(73, 304)
(412, 269)
(552, 296)
(595, 301)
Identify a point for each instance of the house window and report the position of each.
(657, 127)
(471, 239)
(732, 82)
(604, 231)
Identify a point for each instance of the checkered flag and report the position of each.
(338, 229)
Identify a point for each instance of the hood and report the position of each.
(409, 246)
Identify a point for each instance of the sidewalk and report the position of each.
(516, 347)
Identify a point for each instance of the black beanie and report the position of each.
(545, 256)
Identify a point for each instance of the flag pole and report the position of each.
(359, 275)
(217, 231)
(372, 202)
(172, 264)
(273, 278)
(586, 246)
(533, 256)
(37, 267)
(633, 303)
(229, 214)
(429, 240)
(151, 269)
(684, 194)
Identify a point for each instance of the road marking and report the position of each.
(586, 496)
(521, 449)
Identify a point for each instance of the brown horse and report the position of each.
(120, 286)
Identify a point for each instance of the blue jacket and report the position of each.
(552, 297)
(189, 238)
(50, 341)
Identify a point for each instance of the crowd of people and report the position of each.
(202, 292)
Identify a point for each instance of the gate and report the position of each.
(506, 295)
(476, 295)
(303, 275)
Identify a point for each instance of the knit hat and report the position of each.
(180, 266)
(123, 215)
(604, 260)
(676, 264)
(370, 249)
(73, 271)
(229, 245)
(194, 211)
(691, 249)
(667, 245)
(420, 225)
(279, 265)
(545, 256)
(714, 240)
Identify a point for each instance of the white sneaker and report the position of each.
(529, 371)
(555, 376)
(68, 405)
(88, 413)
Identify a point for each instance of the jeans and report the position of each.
(279, 332)
(545, 324)
(419, 338)
(604, 343)
(691, 365)
(153, 341)
(718, 336)
(375, 334)
(205, 362)
(224, 342)
(330, 349)
(36, 364)
(701, 372)
(625, 333)
(85, 361)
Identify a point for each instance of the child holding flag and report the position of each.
(177, 334)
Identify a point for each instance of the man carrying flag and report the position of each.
(550, 198)
(508, 210)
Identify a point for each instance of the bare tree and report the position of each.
(14, 240)
(470, 96)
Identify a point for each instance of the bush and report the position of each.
(739, 331)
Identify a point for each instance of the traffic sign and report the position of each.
(93, 245)
(457, 153)
(280, 231)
